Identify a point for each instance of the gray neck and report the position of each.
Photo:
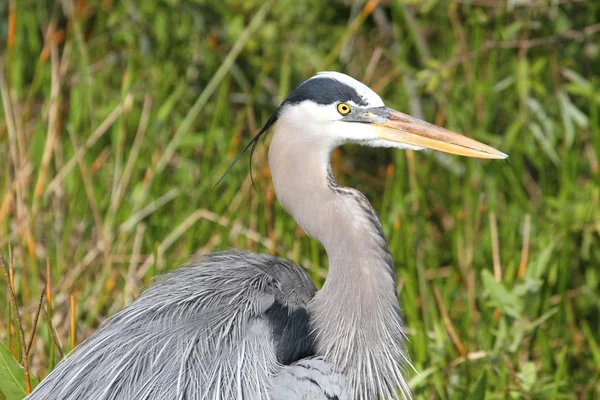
(356, 315)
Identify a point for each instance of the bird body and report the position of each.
(210, 329)
(239, 325)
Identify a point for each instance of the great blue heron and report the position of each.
(240, 325)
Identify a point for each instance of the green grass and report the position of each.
(498, 262)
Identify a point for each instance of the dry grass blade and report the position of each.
(97, 134)
(448, 322)
(525, 247)
(48, 284)
(53, 122)
(170, 239)
(53, 335)
(368, 8)
(36, 316)
(495, 247)
(132, 287)
(472, 356)
(126, 175)
(87, 183)
(73, 321)
(133, 220)
(8, 116)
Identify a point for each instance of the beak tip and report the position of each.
(414, 133)
(501, 156)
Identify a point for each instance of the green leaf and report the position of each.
(528, 375)
(567, 121)
(570, 115)
(539, 321)
(12, 376)
(546, 145)
(539, 267)
(500, 296)
(478, 392)
(421, 378)
(593, 344)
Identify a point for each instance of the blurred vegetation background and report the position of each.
(118, 118)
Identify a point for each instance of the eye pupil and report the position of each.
(344, 108)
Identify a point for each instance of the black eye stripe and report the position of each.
(325, 91)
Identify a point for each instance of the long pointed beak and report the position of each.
(402, 128)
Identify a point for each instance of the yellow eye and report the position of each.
(343, 108)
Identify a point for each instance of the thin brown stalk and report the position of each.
(97, 134)
(87, 184)
(21, 136)
(53, 335)
(495, 247)
(13, 300)
(240, 196)
(132, 287)
(352, 28)
(12, 24)
(136, 218)
(18, 154)
(49, 40)
(73, 315)
(6, 206)
(439, 273)
(471, 292)
(13, 129)
(70, 279)
(417, 32)
(252, 224)
(372, 65)
(472, 356)
(412, 180)
(53, 123)
(10, 200)
(8, 116)
(346, 50)
(168, 241)
(35, 319)
(448, 322)
(461, 41)
(11, 270)
(128, 170)
(48, 285)
(513, 375)
(387, 78)
(525, 247)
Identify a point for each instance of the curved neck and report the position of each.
(356, 315)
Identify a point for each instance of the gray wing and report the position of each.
(309, 379)
(219, 328)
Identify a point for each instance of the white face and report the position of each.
(334, 121)
(331, 109)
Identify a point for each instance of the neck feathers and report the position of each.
(355, 317)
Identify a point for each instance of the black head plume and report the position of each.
(251, 145)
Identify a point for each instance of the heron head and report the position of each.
(335, 107)
(332, 109)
